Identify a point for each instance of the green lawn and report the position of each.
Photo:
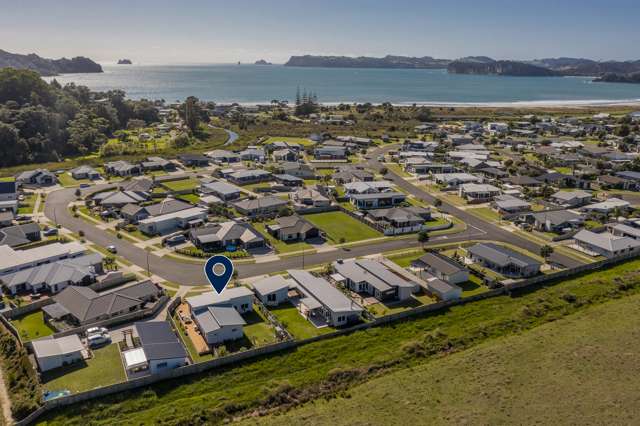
(67, 180)
(189, 198)
(397, 169)
(26, 206)
(181, 185)
(404, 260)
(564, 381)
(485, 213)
(7, 179)
(279, 245)
(299, 327)
(300, 141)
(258, 330)
(338, 225)
(32, 326)
(105, 368)
(328, 368)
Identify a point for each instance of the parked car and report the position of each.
(96, 330)
(50, 232)
(112, 249)
(97, 340)
(84, 185)
(176, 239)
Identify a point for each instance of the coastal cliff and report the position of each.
(389, 61)
(491, 67)
(48, 67)
(633, 78)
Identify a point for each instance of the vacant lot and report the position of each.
(338, 225)
(181, 185)
(330, 367)
(105, 368)
(580, 370)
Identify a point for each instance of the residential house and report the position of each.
(134, 213)
(219, 324)
(261, 206)
(508, 204)
(253, 154)
(442, 289)
(118, 199)
(605, 244)
(157, 163)
(608, 206)
(330, 153)
(571, 199)
(122, 168)
(37, 177)
(284, 155)
(220, 156)
(454, 180)
(17, 235)
(558, 221)
(160, 349)
(245, 177)
(561, 180)
(82, 305)
(320, 301)
(9, 197)
(617, 182)
(374, 278)
(379, 200)
(373, 187)
(293, 228)
(240, 298)
(288, 180)
(400, 220)
(194, 160)
(55, 352)
(442, 267)
(301, 170)
(170, 222)
(478, 192)
(309, 197)
(12, 261)
(504, 260)
(224, 191)
(84, 172)
(55, 276)
(347, 175)
(226, 236)
(273, 290)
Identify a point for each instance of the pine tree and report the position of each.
(298, 97)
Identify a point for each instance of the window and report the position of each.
(271, 297)
(162, 365)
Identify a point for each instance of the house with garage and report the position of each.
(223, 190)
(378, 200)
(374, 278)
(253, 154)
(55, 352)
(134, 213)
(194, 160)
(301, 170)
(261, 206)
(292, 228)
(288, 180)
(418, 145)
(330, 153)
(55, 276)
(452, 181)
(557, 221)
(240, 298)
(85, 172)
(476, 193)
(12, 261)
(509, 205)
(157, 163)
(433, 264)
(273, 290)
(160, 349)
(17, 235)
(246, 177)
(352, 174)
(372, 187)
(82, 305)
(37, 177)
(118, 199)
(503, 260)
(170, 222)
(284, 155)
(227, 236)
(9, 197)
(571, 199)
(221, 156)
(309, 197)
(400, 220)
(442, 289)
(122, 168)
(322, 303)
(605, 243)
(608, 206)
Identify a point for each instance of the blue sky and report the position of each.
(200, 31)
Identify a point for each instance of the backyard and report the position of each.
(104, 368)
(279, 245)
(298, 326)
(32, 326)
(342, 228)
(181, 185)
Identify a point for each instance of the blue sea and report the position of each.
(251, 84)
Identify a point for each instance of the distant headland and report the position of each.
(48, 67)
(262, 62)
(124, 62)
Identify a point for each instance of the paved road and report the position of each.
(56, 208)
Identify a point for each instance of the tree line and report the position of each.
(45, 122)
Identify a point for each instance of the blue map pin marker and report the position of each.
(218, 271)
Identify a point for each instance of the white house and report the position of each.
(160, 349)
(273, 290)
(442, 267)
(167, 223)
(241, 298)
(604, 244)
(219, 324)
(53, 352)
(372, 277)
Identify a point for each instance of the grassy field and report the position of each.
(329, 367)
(554, 374)
(339, 225)
(105, 368)
(32, 326)
(300, 141)
(258, 330)
(485, 213)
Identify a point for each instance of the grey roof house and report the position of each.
(504, 260)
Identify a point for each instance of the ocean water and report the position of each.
(251, 84)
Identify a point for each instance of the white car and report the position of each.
(96, 330)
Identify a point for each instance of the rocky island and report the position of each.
(619, 78)
(124, 62)
(48, 67)
(262, 62)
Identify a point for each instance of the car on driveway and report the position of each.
(112, 249)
